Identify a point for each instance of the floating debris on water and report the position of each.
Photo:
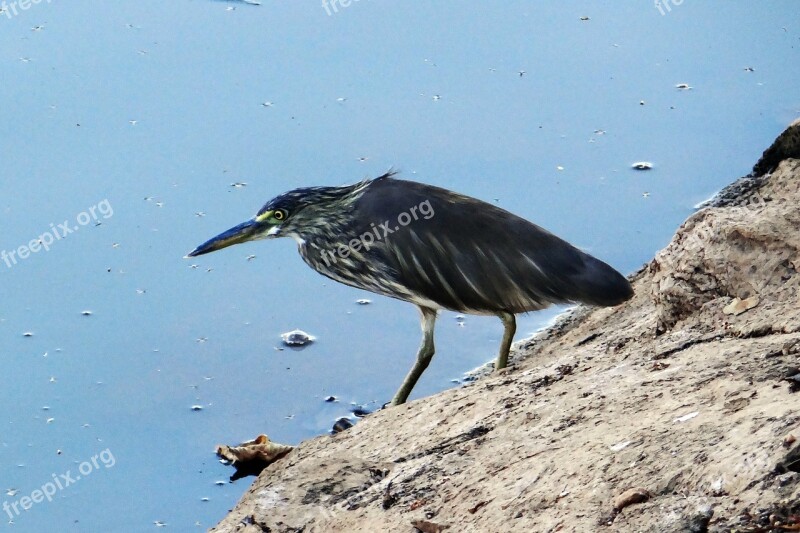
(238, 184)
(197, 408)
(297, 337)
(28, 334)
(331, 399)
(363, 301)
(683, 86)
(642, 165)
(87, 313)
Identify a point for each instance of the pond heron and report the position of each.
(434, 248)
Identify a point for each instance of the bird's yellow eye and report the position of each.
(279, 214)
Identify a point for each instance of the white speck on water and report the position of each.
(642, 165)
(86, 313)
(363, 301)
(683, 86)
(197, 408)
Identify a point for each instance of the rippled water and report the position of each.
(133, 131)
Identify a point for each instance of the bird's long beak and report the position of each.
(246, 231)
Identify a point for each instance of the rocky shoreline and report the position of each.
(677, 411)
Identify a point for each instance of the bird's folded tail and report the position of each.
(599, 284)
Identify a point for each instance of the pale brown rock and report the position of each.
(631, 497)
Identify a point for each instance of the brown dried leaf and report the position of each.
(258, 449)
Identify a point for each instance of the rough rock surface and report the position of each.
(668, 413)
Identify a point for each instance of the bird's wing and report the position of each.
(468, 255)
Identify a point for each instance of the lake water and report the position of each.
(129, 129)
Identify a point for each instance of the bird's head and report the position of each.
(299, 213)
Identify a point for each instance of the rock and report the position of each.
(341, 425)
(739, 306)
(428, 527)
(631, 497)
(697, 522)
(786, 146)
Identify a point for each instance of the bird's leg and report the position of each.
(510, 325)
(424, 356)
